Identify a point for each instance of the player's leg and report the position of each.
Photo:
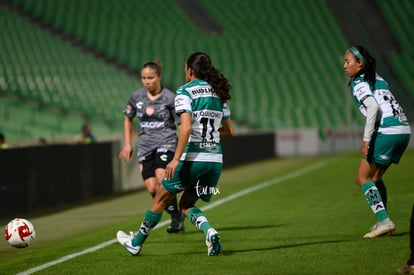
(385, 150)
(147, 170)
(205, 178)
(388, 149)
(369, 171)
(373, 197)
(162, 158)
(194, 214)
(382, 189)
(152, 217)
(177, 220)
(197, 217)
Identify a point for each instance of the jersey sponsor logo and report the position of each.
(162, 150)
(209, 144)
(152, 124)
(202, 91)
(207, 113)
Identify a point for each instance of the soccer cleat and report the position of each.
(126, 241)
(177, 225)
(381, 229)
(213, 242)
(405, 269)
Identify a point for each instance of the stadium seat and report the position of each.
(283, 58)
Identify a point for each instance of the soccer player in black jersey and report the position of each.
(153, 105)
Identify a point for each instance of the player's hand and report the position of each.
(170, 169)
(126, 153)
(364, 149)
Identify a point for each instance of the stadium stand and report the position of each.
(400, 18)
(55, 82)
(283, 58)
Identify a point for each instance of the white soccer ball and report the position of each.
(19, 233)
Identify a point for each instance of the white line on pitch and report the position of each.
(243, 192)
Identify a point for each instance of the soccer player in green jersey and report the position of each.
(197, 162)
(386, 133)
(153, 106)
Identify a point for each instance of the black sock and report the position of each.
(382, 190)
(171, 207)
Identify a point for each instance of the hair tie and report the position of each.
(355, 51)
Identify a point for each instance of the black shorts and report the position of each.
(158, 159)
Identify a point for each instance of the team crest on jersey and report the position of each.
(149, 110)
(128, 109)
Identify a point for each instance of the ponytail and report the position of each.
(200, 63)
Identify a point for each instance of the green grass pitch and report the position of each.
(294, 218)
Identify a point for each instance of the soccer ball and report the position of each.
(19, 233)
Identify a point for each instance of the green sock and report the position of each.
(374, 199)
(196, 216)
(151, 219)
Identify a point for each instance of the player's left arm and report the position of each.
(226, 129)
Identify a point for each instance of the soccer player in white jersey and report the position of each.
(153, 106)
(386, 133)
(197, 163)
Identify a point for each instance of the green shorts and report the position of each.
(387, 149)
(197, 178)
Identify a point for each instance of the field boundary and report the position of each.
(276, 180)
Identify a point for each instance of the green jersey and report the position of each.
(207, 110)
(391, 118)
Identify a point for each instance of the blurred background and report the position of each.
(64, 63)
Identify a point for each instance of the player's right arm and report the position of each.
(126, 151)
(183, 136)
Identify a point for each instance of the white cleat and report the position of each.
(213, 242)
(381, 229)
(126, 241)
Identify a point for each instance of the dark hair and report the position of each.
(155, 65)
(200, 63)
(370, 65)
